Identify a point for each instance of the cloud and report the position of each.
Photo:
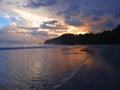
(74, 22)
(38, 3)
(19, 35)
(51, 22)
(72, 15)
(40, 33)
(96, 18)
(29, 18)
(80, 11)
(109, 24)
(53, 25)
(28, 28)
(13, 3)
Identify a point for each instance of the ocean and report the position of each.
(39, 67)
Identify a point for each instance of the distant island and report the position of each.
(106, 37)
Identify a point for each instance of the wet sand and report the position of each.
(100, 72)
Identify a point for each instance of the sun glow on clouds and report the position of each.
(78, 30)
(38, 20)
(32, 19)
(24, 24)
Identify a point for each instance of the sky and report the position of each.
(34, 21)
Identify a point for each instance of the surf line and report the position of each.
(72, 75)
(34, 47)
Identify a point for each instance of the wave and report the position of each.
(26, 47)
(72, 75)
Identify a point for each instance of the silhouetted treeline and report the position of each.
(106, 37)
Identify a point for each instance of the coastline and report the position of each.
(100, 72)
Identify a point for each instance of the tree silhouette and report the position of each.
(106, 37)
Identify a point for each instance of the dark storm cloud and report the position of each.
(38, 3)
(109, 24)
(106, 25)
(95, 10)
(52, 25)
(73, 15)
(74, 22)
(96, 18)
(101, 7)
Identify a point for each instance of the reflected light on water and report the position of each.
(40, 68)
(44, 68)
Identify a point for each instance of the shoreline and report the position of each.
(101, 72)
(71, 76)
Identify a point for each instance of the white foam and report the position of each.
(25, 47)
(71, 76)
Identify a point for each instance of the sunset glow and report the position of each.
(48, 19)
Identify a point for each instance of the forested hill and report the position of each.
(106, 37)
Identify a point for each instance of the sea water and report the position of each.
(38, 67)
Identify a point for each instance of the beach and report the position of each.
(60, 67)
(39, 67)
(100, 72)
